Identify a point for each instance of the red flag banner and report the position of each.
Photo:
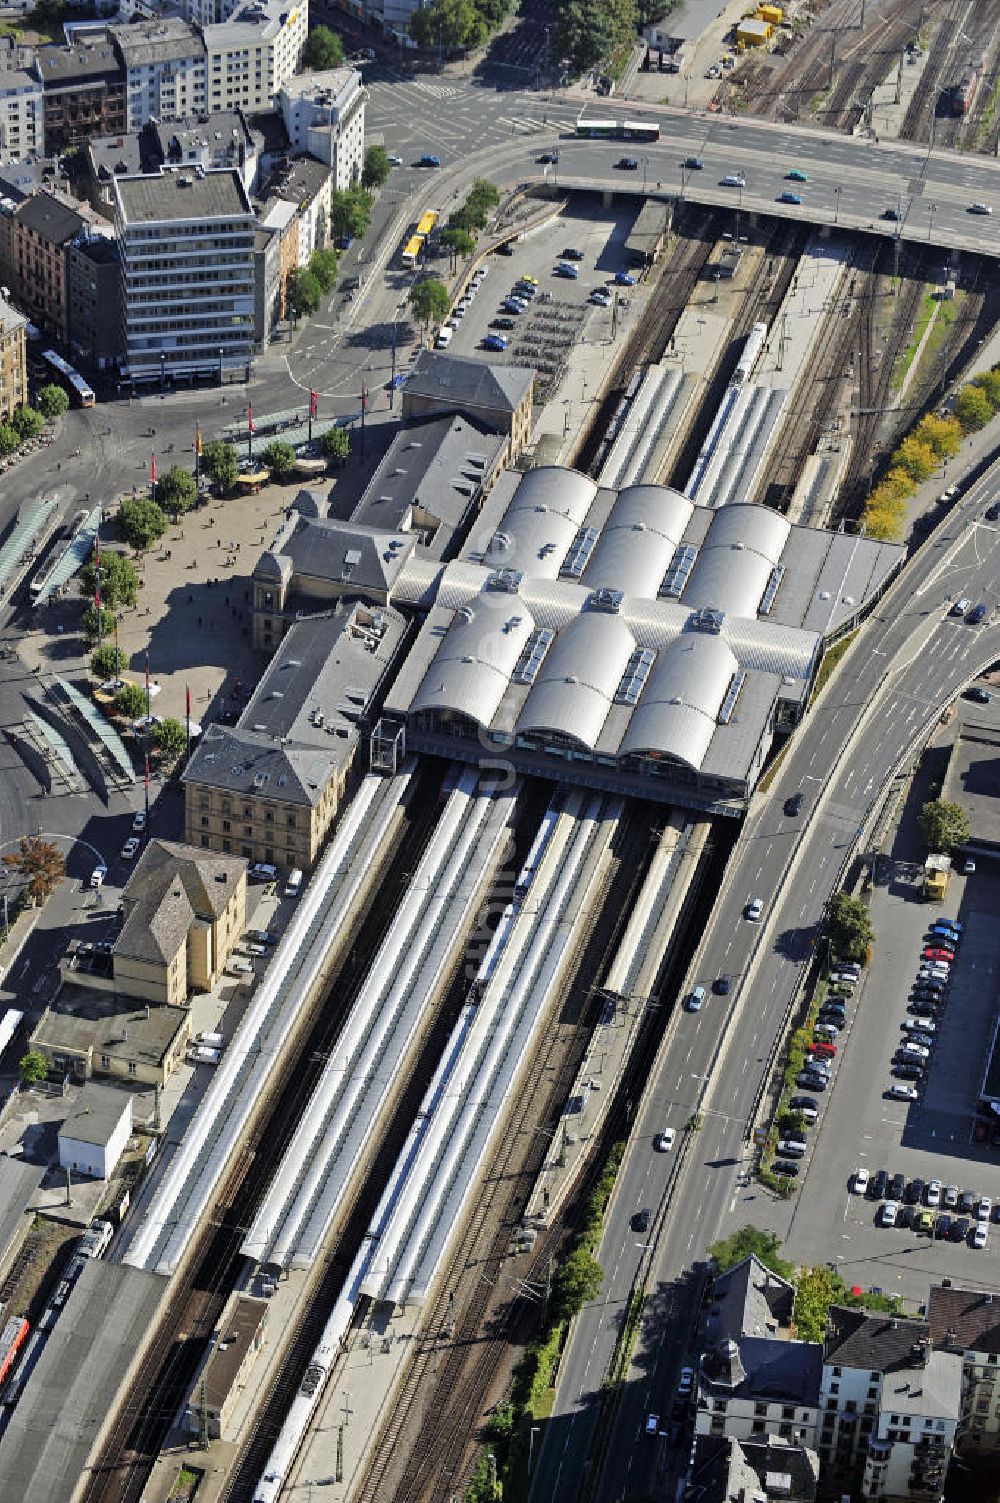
(250, 427)
(197, 442)
(152, 468)
(147, 773)
(313, 403)
(147, 675)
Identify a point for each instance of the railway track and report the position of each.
(212, 1270)
(471, 1328)
(921, 121)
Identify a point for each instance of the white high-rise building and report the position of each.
(253, 53)
(165, 70)
(324, 114)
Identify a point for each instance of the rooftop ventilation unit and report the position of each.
(607, 601)
(507, 580)
(707, 619)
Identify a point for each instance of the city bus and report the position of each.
(78, 388)
(639, 130)
(412, 250)
(607, 128)
(427, 222)
(619, 130)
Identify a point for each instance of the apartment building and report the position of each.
(94, 293)
(13, 361)
(186, 243)
(22, 109)
(83, 89)
(724, 1470)
(324, 114)
(165, 70)
(890, 1407)
(35, 236)
(967, 1321)
(307, 185)
(498, 396)
(253, 53)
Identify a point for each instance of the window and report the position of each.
(291, 821)
(205, 841)
(834, 1387)
(227, 806)
(788, 1414)
(757, 1428)
(203, 802)
(760, 1409)
(105, 1061)
(248, 811)
(204, 821)
(246, 852)
(248, 830)
(133, 1068)
(227, 846)
(269, 817)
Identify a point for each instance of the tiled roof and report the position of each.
(880, 1343)
(469, 384)
(171, 886)
(966, 1319)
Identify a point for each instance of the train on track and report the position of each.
(960, 96)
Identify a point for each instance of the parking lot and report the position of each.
(931, 1138)
(560, 315)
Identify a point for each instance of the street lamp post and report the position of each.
(930, 227)
(836, 212)
(163, 370)
(221, 352)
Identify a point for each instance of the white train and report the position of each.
(756, 340)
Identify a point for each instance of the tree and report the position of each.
(459, 241)
(108, 662)
(42, 863)
(176, 491)
(304, 292)
(750, 1239)
(449, 23)
(848, 926)
(588, 34)
(119, 581)
(32, 1067)
(944, 434)
(429, 298)
(130, 701)
(221, 464)
(989, 382)
(916, 458)
(92, 629)
(324, 49)
(377, 167)
(170, 738)
(52, 400)
(973, 408)
(336, 443)
(578, 1280)
(142, 522)
(9, 440)
(324, 264)
(279, 458)
(943, 824)
(350, 212)
(817, 1290)
(27, 423)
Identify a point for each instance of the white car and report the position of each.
(130, 848)
(686, 1382)
(984, 1208)
(665, 1140)
(395, 161)
(652, 1424)
(754, 909)
(899, 1092)
(980, 1234)
(887, 1213)
(913, 1051)
(933, 1192)
(859, 1183)
(98, 875)
(919, 1025)
(139, 821)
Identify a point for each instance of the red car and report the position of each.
(935, 954)
(825, 1051)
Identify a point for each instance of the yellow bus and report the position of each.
(427, 222)
(411, 253)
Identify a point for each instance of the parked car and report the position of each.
(139, 821)
(624, 279)
(919, 1025)
(665, 1140)
(896, 1186)
(903, 1070)
(130, 847)
(949, 1197)
(502, 323)
(859, 1181)
(627, 164)
(938, 952)
(785, 1167)
(572, 253)
(900, 1092)
(924, 1222)
(980, 1234)
(968, 1201)
(942, 1227)
(887, 1213)
(960, 1229)
(494, 342)
(933, 1192)
(754, 909)
(876, 1188)
(810, 1081)
(790, 1149)
(429, 160)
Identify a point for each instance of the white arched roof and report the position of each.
(742, 546)
(677, 711)
(472, 668)
(579, 678)
(638, 541)
(546, 512)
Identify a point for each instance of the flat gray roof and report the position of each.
(18, 1183)
(86, 1362)
(80, 1019)
(172, 195)
(973, 776)
(96, 1114)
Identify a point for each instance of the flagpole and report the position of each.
(197, 458)
(147, 795)
(364, 408)
(97, 596)
(147, 689)
(187, 720)
(152, 477)
(249, 432)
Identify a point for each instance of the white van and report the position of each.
(201, 1056)
(294, 883)
(237, 967)
(444, 338)
(695, 999)
(211, 1040)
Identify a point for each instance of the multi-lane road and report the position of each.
(910, 659)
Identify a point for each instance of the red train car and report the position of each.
(12, 1338)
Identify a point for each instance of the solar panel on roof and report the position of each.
(771, 590)
(534, 652)
(679, 571)
(578, 555)
(732, 695)
(635, 676)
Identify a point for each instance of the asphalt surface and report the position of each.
(909, 660)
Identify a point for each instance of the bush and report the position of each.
(336, 443)
(52, 400)
(170, 738)
(92, 629)
(27, 423)
(130, 701)
(108, 662)
(279, 458)
(9, 440)
(32, 1067)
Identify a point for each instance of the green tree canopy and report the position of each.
(973, 408)
(429, 298)
(108, 661)
(989, 382)
(458, 240)
(279, 458)
(27, 423)
(578, 1279)
(848, 926)
(943, 825)
(89, 623)
(9, 440)
(119, 580)
(220, 463)
(170, 738)
(336, 443)
(176, 491)
(130, 701)
(52, 400)
(32, 1067)
(304, 292)
(41, 862)
(449, 24)
(750, 1239)
(377, 167)
(588, 34)
(324, 49)
(142, 522)
(323, 264)
(916, 458)
(350, 212)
